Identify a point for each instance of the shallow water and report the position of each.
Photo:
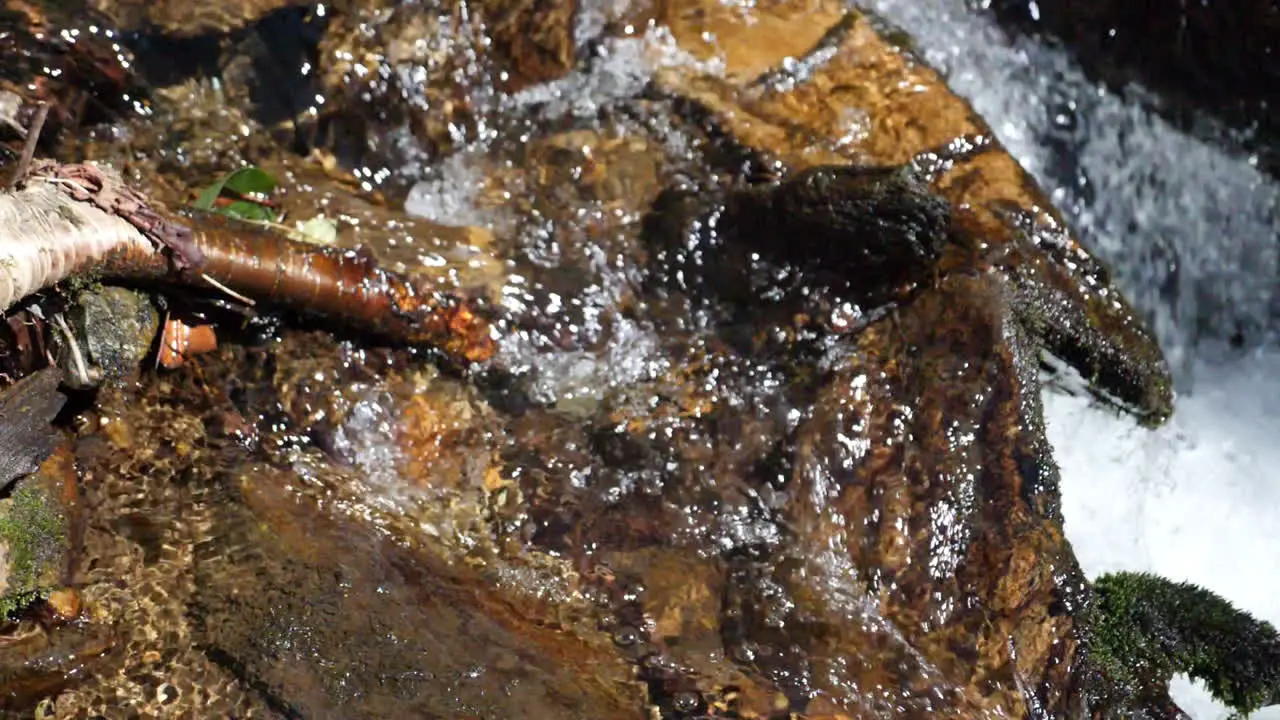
(1191, 230)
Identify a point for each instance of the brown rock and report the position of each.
(535, 35)
(861, 100)
(185, 19)
(925, 462)
(330, 619)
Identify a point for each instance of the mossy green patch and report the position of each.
(33, 536)
(1146, 628)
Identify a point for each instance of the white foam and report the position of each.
(448, 195)
(1176, 217)
(1196, 500)
(621, 68)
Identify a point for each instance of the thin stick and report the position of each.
(227, 290)
(29, 148)
(76, 357)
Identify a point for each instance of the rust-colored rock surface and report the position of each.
(855, 98)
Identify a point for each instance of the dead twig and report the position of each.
(29, 147)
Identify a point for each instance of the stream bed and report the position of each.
(713, 459)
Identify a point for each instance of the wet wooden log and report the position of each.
(49, 236)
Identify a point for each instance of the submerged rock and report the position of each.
(327, 619)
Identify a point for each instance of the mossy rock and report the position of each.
(115, 328)
(34, 534)
(1146, 628)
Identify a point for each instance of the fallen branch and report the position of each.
(80, 220)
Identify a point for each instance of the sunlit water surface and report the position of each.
(1191, 231)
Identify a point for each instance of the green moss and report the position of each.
(1147, 628)
(33, 533)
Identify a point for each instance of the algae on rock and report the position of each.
(34, 534)
(1145, 628)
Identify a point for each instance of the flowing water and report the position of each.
(1191, 231)
(359, 439)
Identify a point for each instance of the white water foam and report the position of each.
(1196, 500)
(1191, 231)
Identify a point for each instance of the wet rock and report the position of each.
(845, 102)
(537, 35)
(38, 531)
(26, 409)
(868, 233)
(327, 619)
(435, 69)
(925, 507)
(182, 19)
(748, 40)
(149, 461)
(37, 661)
(115, 330)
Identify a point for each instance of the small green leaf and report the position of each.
(245, 182)
(245, 210)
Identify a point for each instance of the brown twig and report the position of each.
(29, 147)
(83, 220)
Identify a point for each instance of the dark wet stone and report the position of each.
(877, 228)
(116, 328)
(26, 409)
(865, 235)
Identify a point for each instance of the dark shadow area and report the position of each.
(1217, 58)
